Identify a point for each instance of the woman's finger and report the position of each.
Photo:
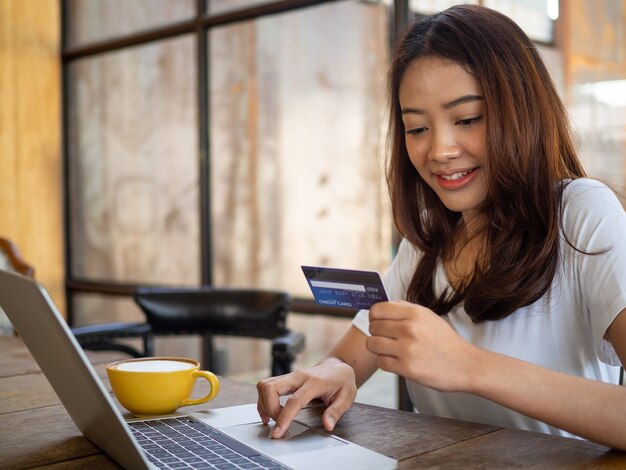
(382, 346)
(338, 406)
(392, 310)
(388, 328)
(299, 399)
(270, 390)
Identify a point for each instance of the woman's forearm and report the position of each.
(351, 350)
(591, 409)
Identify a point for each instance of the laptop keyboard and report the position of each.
(186, 442)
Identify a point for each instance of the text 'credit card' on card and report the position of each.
(345, 288)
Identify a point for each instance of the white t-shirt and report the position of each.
(562, 331)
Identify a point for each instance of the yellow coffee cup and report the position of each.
(158, 385)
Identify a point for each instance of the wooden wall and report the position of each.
(30, 137)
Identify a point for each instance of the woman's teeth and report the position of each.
(456, 176)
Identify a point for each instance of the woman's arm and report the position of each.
(334, 380)
(414, 342)
(588, 408)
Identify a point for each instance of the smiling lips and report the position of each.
(456, 180)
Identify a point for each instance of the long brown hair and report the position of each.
(529, 154)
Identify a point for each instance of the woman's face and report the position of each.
(443, 110)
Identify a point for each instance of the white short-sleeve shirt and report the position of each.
(564, 330)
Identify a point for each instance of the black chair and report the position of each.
(205, 311)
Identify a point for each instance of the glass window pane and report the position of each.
(297, 142)
(222, 6)
(598, 110)
(530, 15)
(95, 308)
(598, 35)
(596, 86)
(432, 6)
(96, 20)
(134, 165)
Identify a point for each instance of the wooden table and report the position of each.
(36, 431)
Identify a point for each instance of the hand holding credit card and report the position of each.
(345, 288)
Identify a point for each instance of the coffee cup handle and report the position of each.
(215, 388)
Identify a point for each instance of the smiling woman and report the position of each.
(443, 112)
(509, 286)
(521, 116)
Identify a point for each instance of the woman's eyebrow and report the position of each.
(449, 105)
(461, 100)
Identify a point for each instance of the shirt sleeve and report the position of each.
(396, 280)
(595, 222)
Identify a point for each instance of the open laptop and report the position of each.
(234, 435)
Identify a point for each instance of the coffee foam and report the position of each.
(155, 366)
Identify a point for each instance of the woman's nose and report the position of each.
(444, 147)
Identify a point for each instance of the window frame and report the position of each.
(200, 26)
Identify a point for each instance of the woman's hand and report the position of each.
(332, 381)
(414, 342)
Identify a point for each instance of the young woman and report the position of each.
(511, 277)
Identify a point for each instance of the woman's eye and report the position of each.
(415, 130)
(469, 121)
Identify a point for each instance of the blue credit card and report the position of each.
(346, 288)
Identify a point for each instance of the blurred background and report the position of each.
(228, 142)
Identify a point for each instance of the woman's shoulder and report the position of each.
(579, 186)
(407, 257)
(399, 274)
(585, 194)
(407, 248)
(589, 204)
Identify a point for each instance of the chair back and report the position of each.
(11, 259)
(237, 312)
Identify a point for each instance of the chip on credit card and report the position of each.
(345, 288)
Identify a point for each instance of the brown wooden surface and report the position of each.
(36, 431)
(17, 360)
(508, 448)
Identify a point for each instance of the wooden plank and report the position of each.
(8, 138)
(17, 360)
(30, 166)
(377, 428)
(37, 119)
(29, 391)
(39, 437)
(508, 448)
(99, 461)
(25, 392)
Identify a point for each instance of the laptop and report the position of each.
(231, 437)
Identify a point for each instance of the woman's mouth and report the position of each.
(456, 180)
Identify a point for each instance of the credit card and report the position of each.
(346, 288)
